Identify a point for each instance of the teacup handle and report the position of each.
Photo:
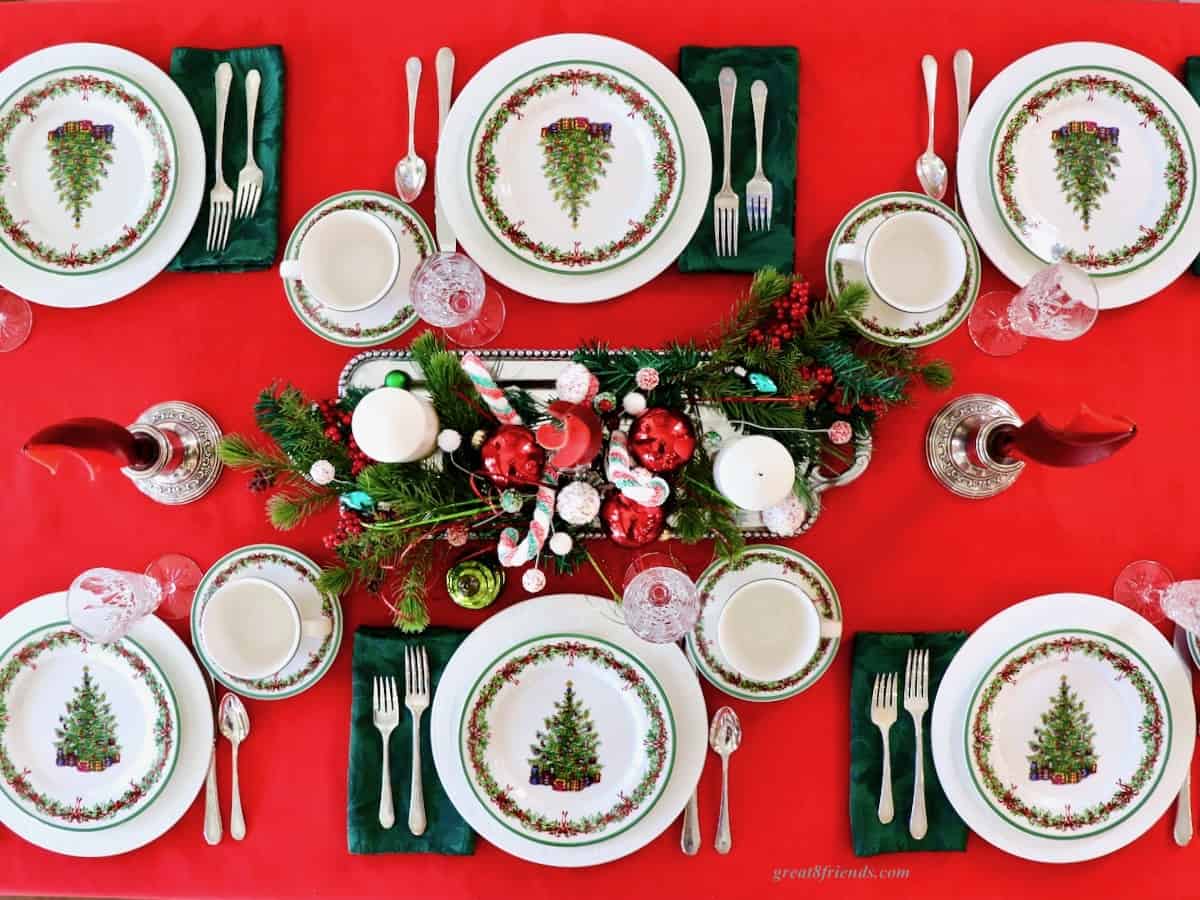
(316, 628)
(831, 628)
(289, 270)
(850, 253)
(862, 458)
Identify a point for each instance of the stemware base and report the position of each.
(485, 327)
(990, 328)
(16, 321)
(956, 446)
(178, 576)
(1140, 586)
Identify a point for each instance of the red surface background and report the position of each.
(903, 553)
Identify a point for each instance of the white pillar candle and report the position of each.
(754, 472)
(392, 425)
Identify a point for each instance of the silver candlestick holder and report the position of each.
(183, 465)
(960, 446)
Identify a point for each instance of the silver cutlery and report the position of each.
(385, 707)
(725, 204)
(883, 717)
(220, 199)
(931, 171)
(1183, 806)
(689, 837)
(963, 62)
(444, 63)
(416, 698)
(235, 725)
(758, 189)
(724, 737)
(916, 703)
(410, 171)
(212, 800)
(250, 179)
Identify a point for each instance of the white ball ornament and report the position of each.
(449, 440)
(787, 518)
(634, 403)
(393, 425)
(578, 503)
(575, 384)
(533, 580)
(561, 543)
(322, 472)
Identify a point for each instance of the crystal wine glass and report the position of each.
(1149, 588)
(448, 291)
(660, 602)
(16, 321)
(104, 604)
(1060, 303)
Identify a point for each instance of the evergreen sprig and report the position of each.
(450, 389)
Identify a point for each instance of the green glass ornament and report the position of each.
(397, 379)
(474, 584)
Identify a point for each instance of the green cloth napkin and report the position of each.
(380, 651)
(875, 653)
(1191, 77)
(252, 242)
(778, 67)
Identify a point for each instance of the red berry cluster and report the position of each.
(873, 405)
(348, 525)
(337, 429)
(786, 319)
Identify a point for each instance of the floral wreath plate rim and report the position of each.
(706, 654)
(946, 318)
(1157, 763)
(660, 227)
(615, 653)
(1005, 122)
(169, 159)
(345, 329)
(164, 761)
(318, 661)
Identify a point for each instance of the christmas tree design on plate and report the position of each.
(564, 755)
(1085, 162)
(574, 153)
(1062, 749)
(86, 736)
(79, 156)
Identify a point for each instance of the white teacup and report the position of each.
(914, 261)
(770, 628)
(348, 260)
(252, 628)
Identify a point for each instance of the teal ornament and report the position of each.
(397, 379)
(511, 501)
(359, 501)
(763, 383)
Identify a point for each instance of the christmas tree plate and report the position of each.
(1040, 694)
(881, 322)
(1091, 165)
(574, 167)
(1067, 734)
(101, 174)
(391, 316)
(89, 733)
(995, 233)
(761, 563)
(567, 739)
(139, 727)
(644, 704)
(296, 574)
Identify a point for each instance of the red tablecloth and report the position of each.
(903, 553)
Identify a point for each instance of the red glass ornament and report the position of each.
(512, 456)
(662, 440)
(630, 524)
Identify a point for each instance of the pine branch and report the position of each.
(412, 613)
(287, 509)
(449, 387)
(292, 422)
(237, 452)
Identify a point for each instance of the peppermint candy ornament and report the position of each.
(647, 378)
(578, 503)
(322, 472)
(786, 518)
(575, 384)
(457, 535)
(841, 432)
(533, 580)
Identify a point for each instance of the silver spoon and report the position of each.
(724, 737)
(235, 726)
(931, 171)
(410, 171)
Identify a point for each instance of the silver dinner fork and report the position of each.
(386, 707)
(883, 716)
(725, 204)
(416, 698)
(758, 189)
(250, 179)
(220, 200)
(916, 702)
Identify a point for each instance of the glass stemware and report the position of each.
(16, 321)
(1060, 303)
(104, 604)
(1149, 588)
(660, 602)
(448, 291)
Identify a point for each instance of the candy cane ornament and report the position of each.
(490, 392)
(640, 487)
(515, 550)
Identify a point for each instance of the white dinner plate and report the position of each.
(180, 786)
(974, 182)
(547, 620)
(53, 277)
(998, 648)
(564, 223)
